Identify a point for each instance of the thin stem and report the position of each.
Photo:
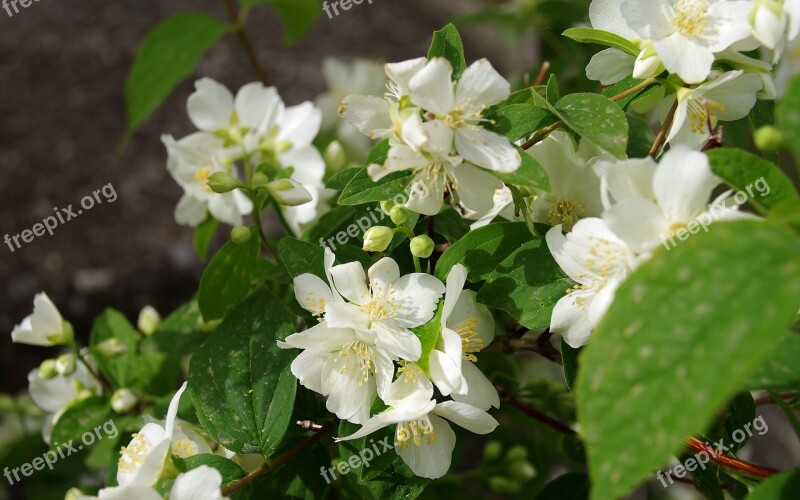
(731, 463)
(771, 399)
(244, 37)
(641, 86)
(547, 420)
(662, 135)
(542, 134)
(540, 346)
(274, 464)
(542, 73)
(92, 371)
(260, 227)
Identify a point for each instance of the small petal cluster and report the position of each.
(44, 327)
(253, 129)
(435, 127)
(202, 483)
(644, 204)
(367, 345)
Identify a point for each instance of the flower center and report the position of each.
(471, 343)
(700, 112)
(690, 18)
(567, 212)
(410, 372)
(357, 357)
(134, 454)
(315, 304)
(201, 176)
(184, 448)
(380, 304)
(414, 432)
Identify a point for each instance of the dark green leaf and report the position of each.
(203, 236)
(785, 486)
(596, 119)
(480, 251)
(226, 280)
(516, 121)
(779, 370)
(447, 44)
(302, 257)
(570, 486)
(788, 117)
(113, 325)
(81, 418)
(529, 174)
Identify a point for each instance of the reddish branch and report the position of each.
(247, 42)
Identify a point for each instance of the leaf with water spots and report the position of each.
(240, 380)
(597, 119)
(683, 334)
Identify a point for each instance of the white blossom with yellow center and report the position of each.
(423, 438)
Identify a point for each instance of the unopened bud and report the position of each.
(517, 453)
(66, 364)
(259, 181)
(111, 348)
(492, 451)
(74, 494)
(223, 182)
(48, 370)
(522, 471)
(241, 234)
(399, 214)
(289, 193)
(149, 319)
(123, 401)
(377, 239)
(387, 206)
(504, 485)
(422, 246)
(768, 138)
(335, 156)
(7, 404)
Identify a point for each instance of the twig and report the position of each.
(662, 135)
(274, 464)
(542, 73)
(547, 420)
(636, 88)
(540, 346)
(769, 400)
(731, 463)
(247, 42)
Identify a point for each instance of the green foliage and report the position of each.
(447, 44)
(788, 117)
(596, 119)
(480, 251)
(226, 280)
(80, 418)
(203, 236)
(298, 16)
(600, 37)
(781, 487)
(113, 326)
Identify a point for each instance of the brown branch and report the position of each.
(769, 400)
(244, 37)
(274, 464)
(547, 420)
(542, 73)
(662, 135)
(540, 346)
(731, 463)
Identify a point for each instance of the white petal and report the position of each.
(690, 60)
(349, 395)
(321, 337)
(609, 66)
(202, 483)
(312, 293)
(191, 211)
(440, 138)
(481, 392)
(476, 187)
(638, 221)
(300, 124)
(307, 162)
(468, 309)
(571, 320)
(388, 417)
(342, 315)
(307, 368)
(400, 158)
(368, 114)
(397, 343)
(606, 15)
(731, 20)
(350, 281)
(683, 183)
(383, 274)
(426, 196)
(446, 362)
(419, 295)
(455, 282)
(431, 460)
(172, 411)
(649, 20)
(256, 105)
(467, 416)
(132, 492)
(402, 72)
(50, 395)
(210, 106)
(487, 149)
(481, 86)
(432, 87)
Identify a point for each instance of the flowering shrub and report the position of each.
(487, 220)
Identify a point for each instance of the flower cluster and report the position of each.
(435, 128)
(701, 44)
(367, 344)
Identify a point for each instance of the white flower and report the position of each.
(192, 160)
(386, 306)
(788, 68)
(142, 461)
(775, 22)
(466, 328)
(423, 438)
(685, 33)
(609, 66)
(597, 260)
(44, 327)
(502, 205)
(202, 483)
(574, 186)
(728, 97)
(55, 395)
(437, 172)
(460, 106)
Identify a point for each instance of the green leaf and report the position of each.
(740, 412)
(81, 418)
(785, 486)
(428, 335)
(240, 381)
(763, 183)
(480, 251)
(640, 137)
(570, 486)
(447, 44)
(339, 180)
(231, 472)
(298, 16)
(779, 370)
(648, 95)
(516, 121)
(112, 324)
(763, 114)
(526, 285)
(600, 37)
(362, 189)
(168, 54)
(179, 333)
(569, 359)
(529, 174)
(203, 236)
(788, 117)
(302, 257)
(297, 479)
(596, 119)
(658, 350)
(226, 280)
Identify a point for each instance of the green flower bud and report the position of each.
(241, 234)
(522, 471)
(7, 404)
(387, 206)
(398, 214)
(66, 364)
(504, 485)
(74, 494)
(517, 453)
(149, 319)
(223, 182)
(492, 451)
(123, 401)
(768, 138)
(209, 326)
(377, 239)
(28, 407)
(48, 370)
(111, 348)
(335, 156)
(259, 181)
(289, 193)
(422, 246)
